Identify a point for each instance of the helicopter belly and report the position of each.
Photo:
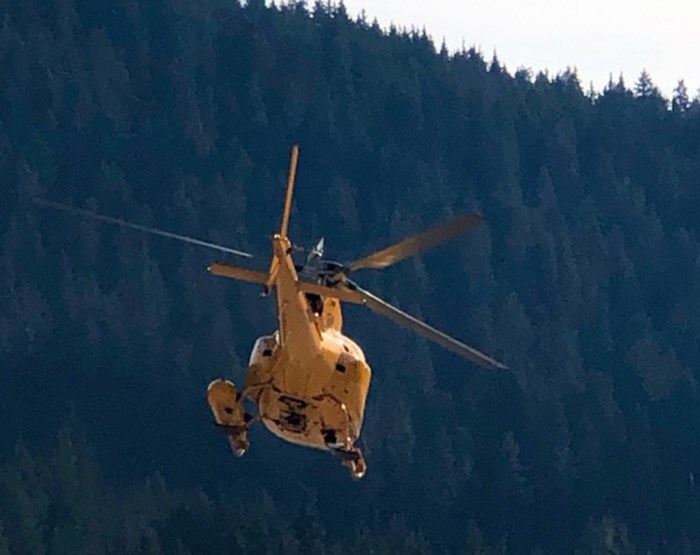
(304, 401)
(292, 419)
(311, 422)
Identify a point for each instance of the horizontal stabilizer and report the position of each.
(236, 272)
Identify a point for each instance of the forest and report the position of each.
(584, 279)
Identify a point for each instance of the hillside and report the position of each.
(178, 115)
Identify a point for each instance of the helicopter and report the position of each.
(308, 380)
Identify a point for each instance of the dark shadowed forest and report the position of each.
(585, 280)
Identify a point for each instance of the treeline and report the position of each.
(180, 116)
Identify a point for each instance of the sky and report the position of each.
(597, 37)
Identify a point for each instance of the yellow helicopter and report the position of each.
(308, 380)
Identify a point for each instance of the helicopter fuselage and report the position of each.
(309, 381)
(318, 402)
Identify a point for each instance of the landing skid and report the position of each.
(230, 430)
(353, 460)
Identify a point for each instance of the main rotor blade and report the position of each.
(406, 320)
(284, 228)
(418, 243)
(290, 191)
(338, 292)
(137, 227)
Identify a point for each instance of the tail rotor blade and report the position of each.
(417, 243)
(108, 219)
